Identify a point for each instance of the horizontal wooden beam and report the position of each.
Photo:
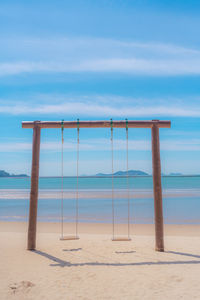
(97, 124)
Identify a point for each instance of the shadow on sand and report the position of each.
(72, 250)
(124, 252)
(184, 254)
(62, 263)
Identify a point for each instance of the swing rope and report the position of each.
(62, 175)
(127, 176)
(70, 237)
(113, 208)
(128, 190)
(77, 177)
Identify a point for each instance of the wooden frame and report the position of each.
(156, 165)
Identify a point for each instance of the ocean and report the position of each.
(181, 199)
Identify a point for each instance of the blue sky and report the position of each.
(100, 60)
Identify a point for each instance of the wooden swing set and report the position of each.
(154, 125)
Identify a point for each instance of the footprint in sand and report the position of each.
(21, 286)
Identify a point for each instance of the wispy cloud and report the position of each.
(150, 67)
(103, 144)
(100, 106)
(48, 47)
(65, 55)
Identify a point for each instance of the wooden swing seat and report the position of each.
(121, 239)
(69, 238)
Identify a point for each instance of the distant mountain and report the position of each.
(124, 173)
(6, 174)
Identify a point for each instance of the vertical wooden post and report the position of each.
(157, 187)
(34, 187)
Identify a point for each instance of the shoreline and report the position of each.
(13, 194)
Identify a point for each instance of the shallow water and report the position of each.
(181, 199)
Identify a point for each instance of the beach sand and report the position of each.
(94, 267)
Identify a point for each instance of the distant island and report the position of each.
(176, 174)
(124, 173)
(6, 174)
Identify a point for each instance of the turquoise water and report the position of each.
(168, 182)
(178, 209)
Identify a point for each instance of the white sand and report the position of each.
(94, 267)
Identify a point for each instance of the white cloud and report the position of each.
(95, 46)
(151, 67)
(103, 144)
(65, 55)
(105, 106)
